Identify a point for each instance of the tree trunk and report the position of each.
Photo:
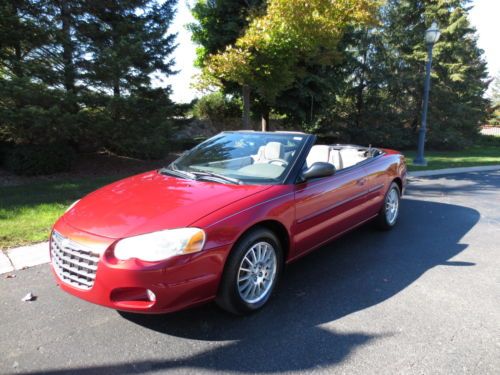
(246, 107)
(116, 104)
(361, 76)
(360, 89)
(265, 121)
(17, 65)
(359, 102)
(312, 108)
(69, 68)
(116, 73)
(116, 88)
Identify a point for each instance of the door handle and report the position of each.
(361, 181)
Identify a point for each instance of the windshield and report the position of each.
(239, 157)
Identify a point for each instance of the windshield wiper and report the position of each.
(177, 173)
(212, 175)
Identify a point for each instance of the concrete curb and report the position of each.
(25, 256)
(439, 172)
(5, 264)
(33, 255)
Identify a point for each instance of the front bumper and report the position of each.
(176, 283)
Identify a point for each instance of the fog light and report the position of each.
(151, 295)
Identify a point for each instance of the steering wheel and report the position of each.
(282, 162)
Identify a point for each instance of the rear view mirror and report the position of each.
(318, 169)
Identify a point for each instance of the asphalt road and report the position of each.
(421, 299)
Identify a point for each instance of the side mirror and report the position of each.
(318, 169)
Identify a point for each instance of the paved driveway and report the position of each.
(421, 299)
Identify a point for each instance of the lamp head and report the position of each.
(432, 33)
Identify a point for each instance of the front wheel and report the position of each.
(251, 273)
(389, 212)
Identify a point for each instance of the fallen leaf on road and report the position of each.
(29, 297)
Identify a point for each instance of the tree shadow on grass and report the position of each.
(356, 272)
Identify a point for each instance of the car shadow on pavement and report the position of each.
(354, 273)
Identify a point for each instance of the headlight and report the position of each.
(72, 205)
(161, 245)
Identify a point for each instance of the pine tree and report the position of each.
(66, 17)
(60, 60)
(29, 106)
(382, 102)
(23, 36)
(38, 42)
(220, 23)
(127, 42)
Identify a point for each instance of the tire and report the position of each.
(245, 288)
(389, 213)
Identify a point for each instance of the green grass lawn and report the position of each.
(27, 212)
(471, 157)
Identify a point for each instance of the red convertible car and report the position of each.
(221, 221)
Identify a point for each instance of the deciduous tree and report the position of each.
(269, 56)
(219, 24)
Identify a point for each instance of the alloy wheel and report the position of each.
(392, 206)
(257, 272)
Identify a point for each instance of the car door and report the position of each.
(326, 207)
(377, 183)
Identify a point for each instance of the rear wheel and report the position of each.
(389, 213)
(251, 273)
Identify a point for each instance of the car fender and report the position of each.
(227, 225)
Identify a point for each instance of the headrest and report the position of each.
(318, 153)
(273, 150)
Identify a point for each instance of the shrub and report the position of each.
(4, 150)
(135, 125)
(138, 125)
(32, 113)
(38, 160)
(217, 107)
(149, 147)
(182, 110)
(142, 127)
(488, 141)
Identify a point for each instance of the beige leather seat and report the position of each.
(350, 157)
(271, 151)
(324, 154)
(335, 158)
(318, 153)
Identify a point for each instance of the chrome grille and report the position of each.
(75, 264)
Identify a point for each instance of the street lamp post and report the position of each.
(431, 36)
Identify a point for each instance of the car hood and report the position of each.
(150, 202)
